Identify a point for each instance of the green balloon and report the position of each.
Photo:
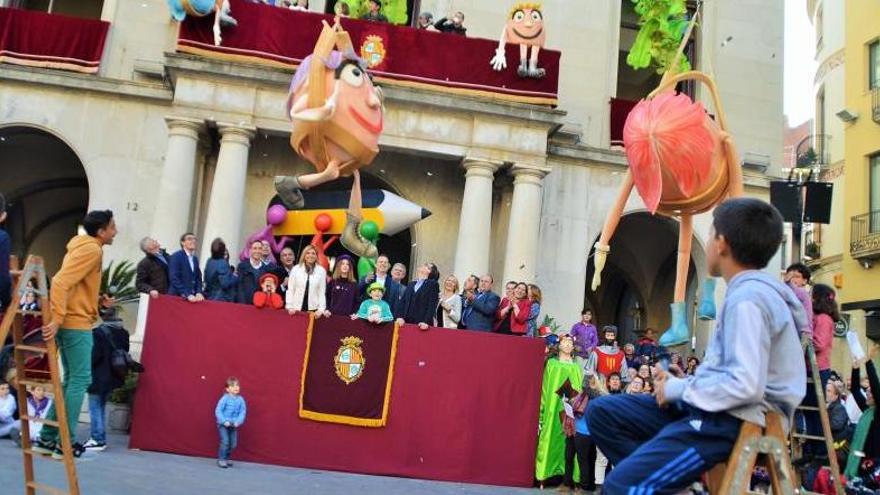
(370, 230)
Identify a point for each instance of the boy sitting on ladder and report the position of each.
(752, 366)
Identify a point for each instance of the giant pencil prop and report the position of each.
(682, 163)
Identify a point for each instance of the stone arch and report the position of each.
(47, 188)
(639, 276)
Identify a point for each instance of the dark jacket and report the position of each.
(221, 283)
(419, 306)
(104, 380)
(872, 443)
(342, 297)
(447, 26)
(5, 278)
(282, 274)
(152, 274)
(249, 280)
(185, 281)
(393, 292)
(839, 420)
(480, 314)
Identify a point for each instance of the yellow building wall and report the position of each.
(862, 139)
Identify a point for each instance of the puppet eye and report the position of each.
(353, 76)
(519, 15)
(536, 15)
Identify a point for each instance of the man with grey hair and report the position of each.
(152, 271)
(398, 273)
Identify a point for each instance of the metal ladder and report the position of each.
(12, 320)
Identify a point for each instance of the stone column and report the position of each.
(226, 203)
(174, 200)
(474, 229)
(521, 257)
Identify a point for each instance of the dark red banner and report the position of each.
(463, 407)
(348, 371)
(38, 39)
(402, 55)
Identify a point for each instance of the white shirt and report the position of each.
(190, 256)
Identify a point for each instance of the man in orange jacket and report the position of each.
(74, 302)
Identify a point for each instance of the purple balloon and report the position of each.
(276, 215)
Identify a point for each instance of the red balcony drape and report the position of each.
(38, 39)
(444, 62)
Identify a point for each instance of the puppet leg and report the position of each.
(351, 237)
(216, 29)
(534, 71)
(225, 18)
(707, 308)
(523, 69)
(289, 188)
(608, 229)
(678, 332)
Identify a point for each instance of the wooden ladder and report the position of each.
(734, 476)
(797, 439)
(34, 269)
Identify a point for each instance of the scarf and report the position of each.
(858, 443)
(39, 407)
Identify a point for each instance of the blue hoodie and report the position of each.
(754, 362)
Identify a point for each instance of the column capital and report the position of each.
(184, 126)
(241, 134)
(528, 174)
(478, 167)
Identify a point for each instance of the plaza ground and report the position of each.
(121, 471)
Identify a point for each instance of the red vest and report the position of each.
(608, 363)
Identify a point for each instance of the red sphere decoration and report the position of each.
(323, 222)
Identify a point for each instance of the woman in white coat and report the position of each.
(449, 309)
(307, 286)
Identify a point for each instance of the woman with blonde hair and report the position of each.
(307, 288)
(449, 309)
(536, 299)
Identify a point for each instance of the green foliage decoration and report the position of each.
(662, 24)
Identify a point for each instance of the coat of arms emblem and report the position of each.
(373, 50)
(349, 360)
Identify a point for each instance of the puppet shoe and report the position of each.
(227, 20)
(678, 333)
(706, 310)
(523, 69)
(289, 191)
(354, 242)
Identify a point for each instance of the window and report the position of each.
(874, 174)
(874, 65)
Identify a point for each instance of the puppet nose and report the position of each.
(373, 100)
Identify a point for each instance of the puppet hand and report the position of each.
(217, 38)
(599, 262)
(499, 61)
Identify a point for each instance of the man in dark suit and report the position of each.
(481, 306)
(249, 273)
(418, 305)
(186, 277)
(152, 271)
(393, 290)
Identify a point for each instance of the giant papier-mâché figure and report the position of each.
(337, 119)
(200, 8)
(682, 162)
(525, 27)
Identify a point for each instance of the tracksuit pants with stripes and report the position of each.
(657, 450)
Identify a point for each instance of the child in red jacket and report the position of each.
(267, 297)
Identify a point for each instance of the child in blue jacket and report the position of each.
(230, 413)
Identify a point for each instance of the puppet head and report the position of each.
(675, 154)
(336, 110)
(268, 282)
(525, 24)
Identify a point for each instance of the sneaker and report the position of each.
(43, 447)
(95, 445)
(15, 436)
(76, 449)
(222, 463)
(228, 463)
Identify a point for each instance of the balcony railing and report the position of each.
(813, 151)
(875, 102)
(865, 242)
(396, 55)
(38, 39)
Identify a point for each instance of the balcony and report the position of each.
(875, 102)
(813, 152)
(865, 242)
(38, 39)
(396, 55)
